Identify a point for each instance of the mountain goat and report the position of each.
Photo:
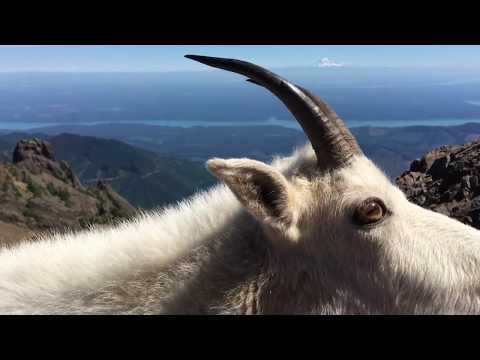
(320, 232)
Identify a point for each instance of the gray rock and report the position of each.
(447, 180)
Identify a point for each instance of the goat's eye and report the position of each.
(370, 211)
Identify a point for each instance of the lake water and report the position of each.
(284, 123)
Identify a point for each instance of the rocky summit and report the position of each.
(447, 180)
(38, 193)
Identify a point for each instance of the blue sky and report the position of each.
(170, 58)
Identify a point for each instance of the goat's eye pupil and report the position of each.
(370, 212)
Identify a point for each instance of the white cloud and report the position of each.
(326, 62)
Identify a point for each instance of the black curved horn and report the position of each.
(331, 140)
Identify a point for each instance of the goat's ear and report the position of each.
(263, 190)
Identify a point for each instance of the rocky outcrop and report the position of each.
(37, 156)
(33, 149)
(39, 193)
(447, 180)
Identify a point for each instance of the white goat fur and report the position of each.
(431, 262)
(33, 272)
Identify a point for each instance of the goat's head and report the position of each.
(331, 204)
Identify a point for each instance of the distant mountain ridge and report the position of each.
(144, 178)
(392, 148)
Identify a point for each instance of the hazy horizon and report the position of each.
(167, 58)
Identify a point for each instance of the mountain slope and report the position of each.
(39, 193)
(144, 178)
